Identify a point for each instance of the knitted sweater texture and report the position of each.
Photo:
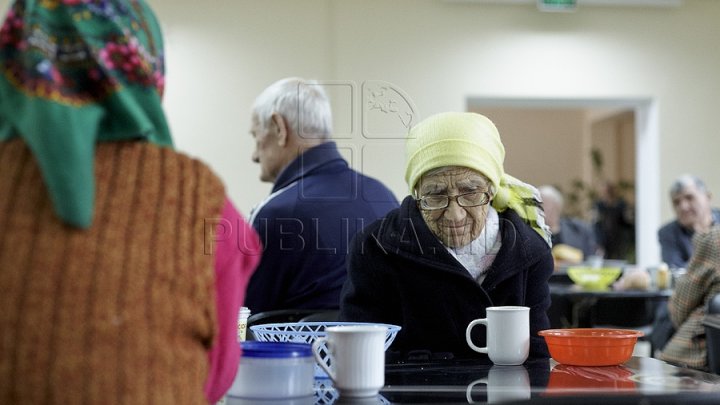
(120, 313)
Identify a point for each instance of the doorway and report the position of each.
(625, 132)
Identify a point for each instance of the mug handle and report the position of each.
(471, 386)
(468, 336)
(320, 361)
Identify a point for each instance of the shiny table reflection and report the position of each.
(468, 383)
(639, 380)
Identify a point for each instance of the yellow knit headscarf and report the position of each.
(471, 140)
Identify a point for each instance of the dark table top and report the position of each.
(640, 380)
(574, 291)
(573, 306)
(448, 382)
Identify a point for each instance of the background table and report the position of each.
(574, 307)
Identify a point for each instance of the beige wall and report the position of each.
(221, 53)
(543, 146)
(614, 138)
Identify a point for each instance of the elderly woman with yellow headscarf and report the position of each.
(468, 237)
(109, 289)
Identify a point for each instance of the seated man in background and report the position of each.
(691, 202)
(566, 231)
(573, 241)
(317, 203)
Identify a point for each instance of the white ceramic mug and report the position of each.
(357, 358)
(508, 335)
(504, 383)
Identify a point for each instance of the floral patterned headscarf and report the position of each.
(74, 73)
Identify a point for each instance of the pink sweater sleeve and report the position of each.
(237, 254)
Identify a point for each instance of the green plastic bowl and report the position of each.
(591, 278)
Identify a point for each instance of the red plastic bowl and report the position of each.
(590, 346)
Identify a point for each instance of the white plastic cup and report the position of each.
(508, 335)
(242, 323)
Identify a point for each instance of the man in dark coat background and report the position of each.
(317, 203)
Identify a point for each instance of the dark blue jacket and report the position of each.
(401, 274)
(676, 242)
(576, 233)
(306, 229)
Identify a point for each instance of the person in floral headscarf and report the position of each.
(109, 286)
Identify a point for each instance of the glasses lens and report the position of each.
(472, 199)
(435, 201)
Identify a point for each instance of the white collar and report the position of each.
(478, 255)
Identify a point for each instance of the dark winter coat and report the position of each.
(318, 204)
(400, 273)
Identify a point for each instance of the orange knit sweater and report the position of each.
(123, 312)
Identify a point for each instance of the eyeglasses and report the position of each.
(438, 202)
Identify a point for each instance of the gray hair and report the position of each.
(303, 104)
(552, 193)
(686, 180)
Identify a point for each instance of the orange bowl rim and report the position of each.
(602, 333)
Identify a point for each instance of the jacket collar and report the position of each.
(308, 161)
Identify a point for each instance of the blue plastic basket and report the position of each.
(307, 332)
(326, 394)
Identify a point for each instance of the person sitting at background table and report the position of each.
(469, 237)
(614, 223)
(566, 231)
(687, 305)
(108, 294)
(691, 202)
(694, 213)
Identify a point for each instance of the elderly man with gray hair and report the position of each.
(691, 202)
(317, 204)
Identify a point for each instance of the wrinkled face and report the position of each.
(691, 205)
(455, 226)
(268, 152)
